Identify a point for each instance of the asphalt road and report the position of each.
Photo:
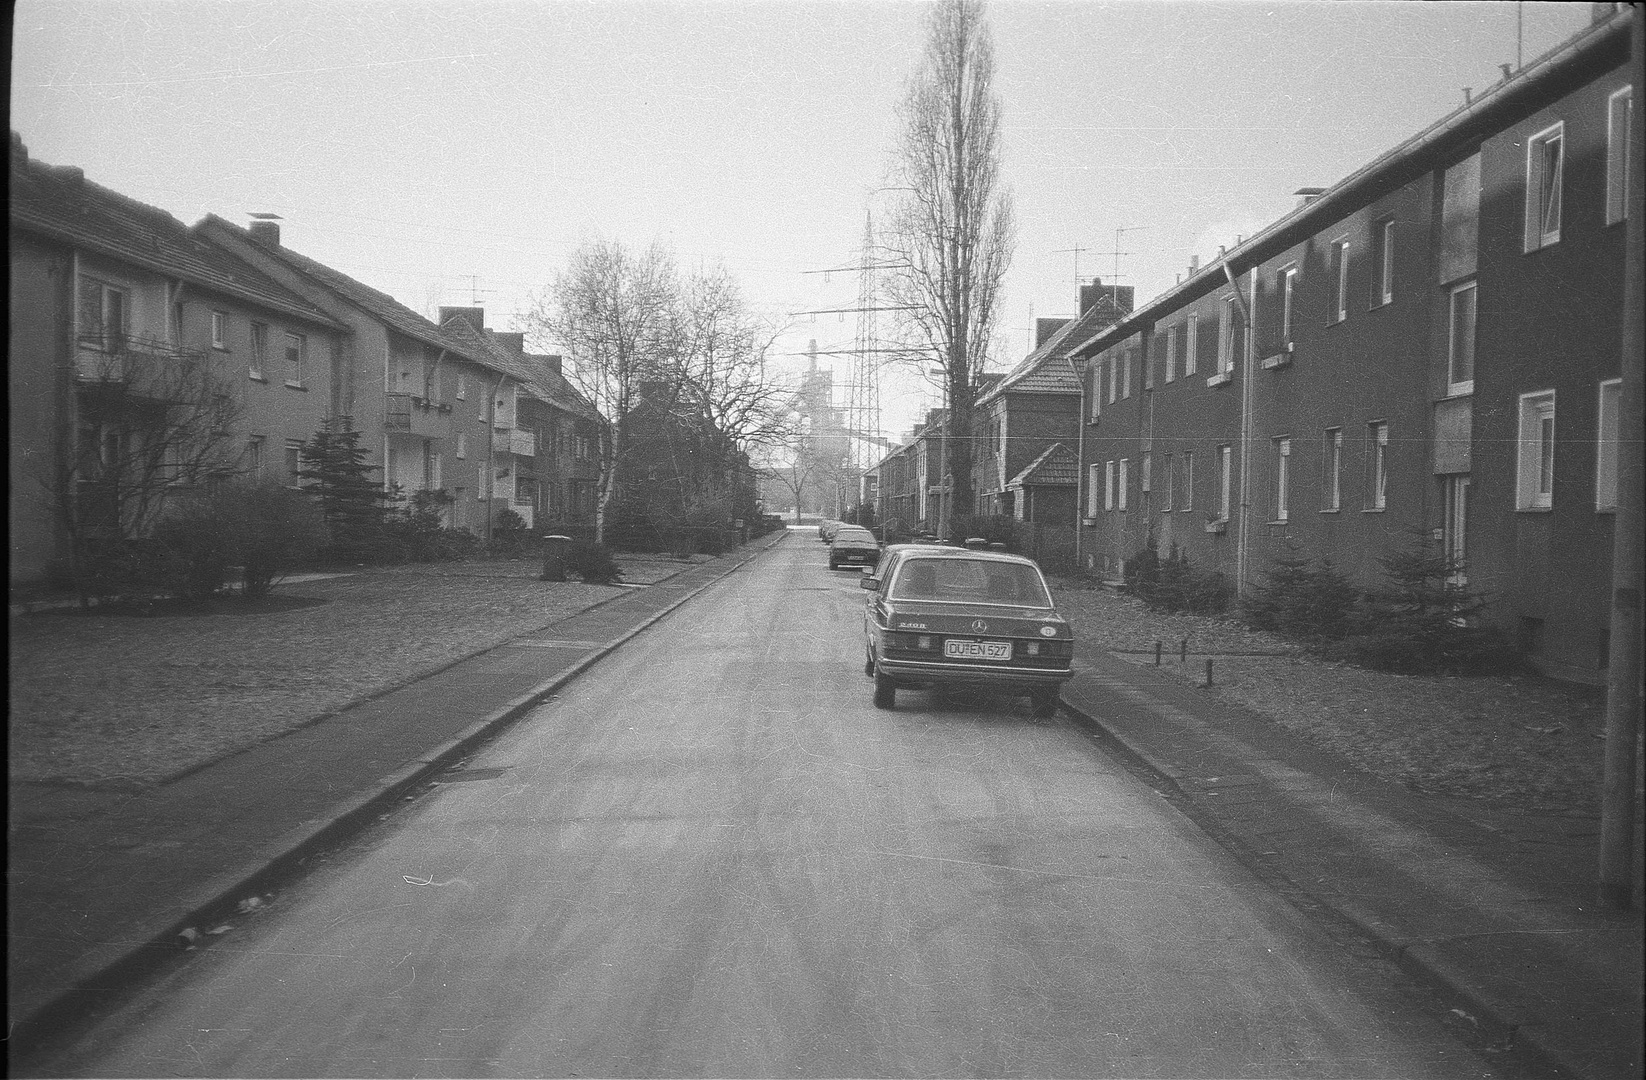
(711, 856)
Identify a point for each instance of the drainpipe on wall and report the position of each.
(1080, 367)
(1243, 527)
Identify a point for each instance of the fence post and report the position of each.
(1208, 671)
(1157, 654)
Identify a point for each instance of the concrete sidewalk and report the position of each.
(1492, 909)
(100, 883)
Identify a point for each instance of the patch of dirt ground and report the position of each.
(1526, 741)
(101, 698)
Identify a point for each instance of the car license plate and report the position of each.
(856, 556)
(977, 650)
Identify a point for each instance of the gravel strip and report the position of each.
(126, 700)
(1524, 740)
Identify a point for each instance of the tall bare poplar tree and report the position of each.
(954, 226)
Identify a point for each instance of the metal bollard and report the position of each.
(1157, 654)
(1208, 671)
(1183, 652)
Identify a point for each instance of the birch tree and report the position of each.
(615, 315)
(952, 230)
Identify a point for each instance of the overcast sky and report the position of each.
(457, 151)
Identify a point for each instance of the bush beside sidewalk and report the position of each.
(128, 701)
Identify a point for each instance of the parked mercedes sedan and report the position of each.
(853, 545)
(962, 617)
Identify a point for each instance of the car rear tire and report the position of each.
(885, 692)
(1044, 702)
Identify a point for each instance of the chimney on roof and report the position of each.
(1045, 328)
(265, 229)
(554, 363)
(1307, 195)
(1194, 265)
(474, 316)
(515, 343)
(1119, 297)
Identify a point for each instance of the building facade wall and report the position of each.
(1370, 357)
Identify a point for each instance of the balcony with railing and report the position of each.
(106, 358)
(514, 441)
(414, 415)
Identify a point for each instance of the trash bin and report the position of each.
(554, 557)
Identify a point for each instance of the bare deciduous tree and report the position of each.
(953, 228)
(722, 349)
(151, 422)
(615, 316)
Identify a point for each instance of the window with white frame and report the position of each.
(297, 349)
(1095, 392)
(1545, 167)
(104, 315)
(254, 456)
(1535, 460)
(1169, 468)
(1377, 458)
(1094, 482)
(1123, 483)
(294, 462)
(1288, 296)
(1171, 353)
(1383, 262)
(1460, 340)
(259, 350)
(1112, 365)
(1606, 445)
(462, 444)
(1331, 488)
(1283, 476)
(220, 330)
(1145, 480)
(462, 386)
(1191, 345)
(1619, 123)
(1340, 290)
(1108, 485)
(1188, 480)
(1147, 361)
(1225, 474)
(1125, 361)
(1226, 334)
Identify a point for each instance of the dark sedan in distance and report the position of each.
(853, 545)
(953, 617)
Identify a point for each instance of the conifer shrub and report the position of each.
(1425, 621)
(1174, 585)
(1304, 599)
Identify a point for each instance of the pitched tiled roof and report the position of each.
(1056, 466)
(61, 204)
(528, 369)
(380, 305)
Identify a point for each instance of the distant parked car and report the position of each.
(958, 617)
(855, 545)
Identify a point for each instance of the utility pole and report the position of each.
(1620, 881)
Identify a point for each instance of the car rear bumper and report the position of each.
(922, 673)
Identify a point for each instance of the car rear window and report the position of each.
(970, 581)
(855, 534)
